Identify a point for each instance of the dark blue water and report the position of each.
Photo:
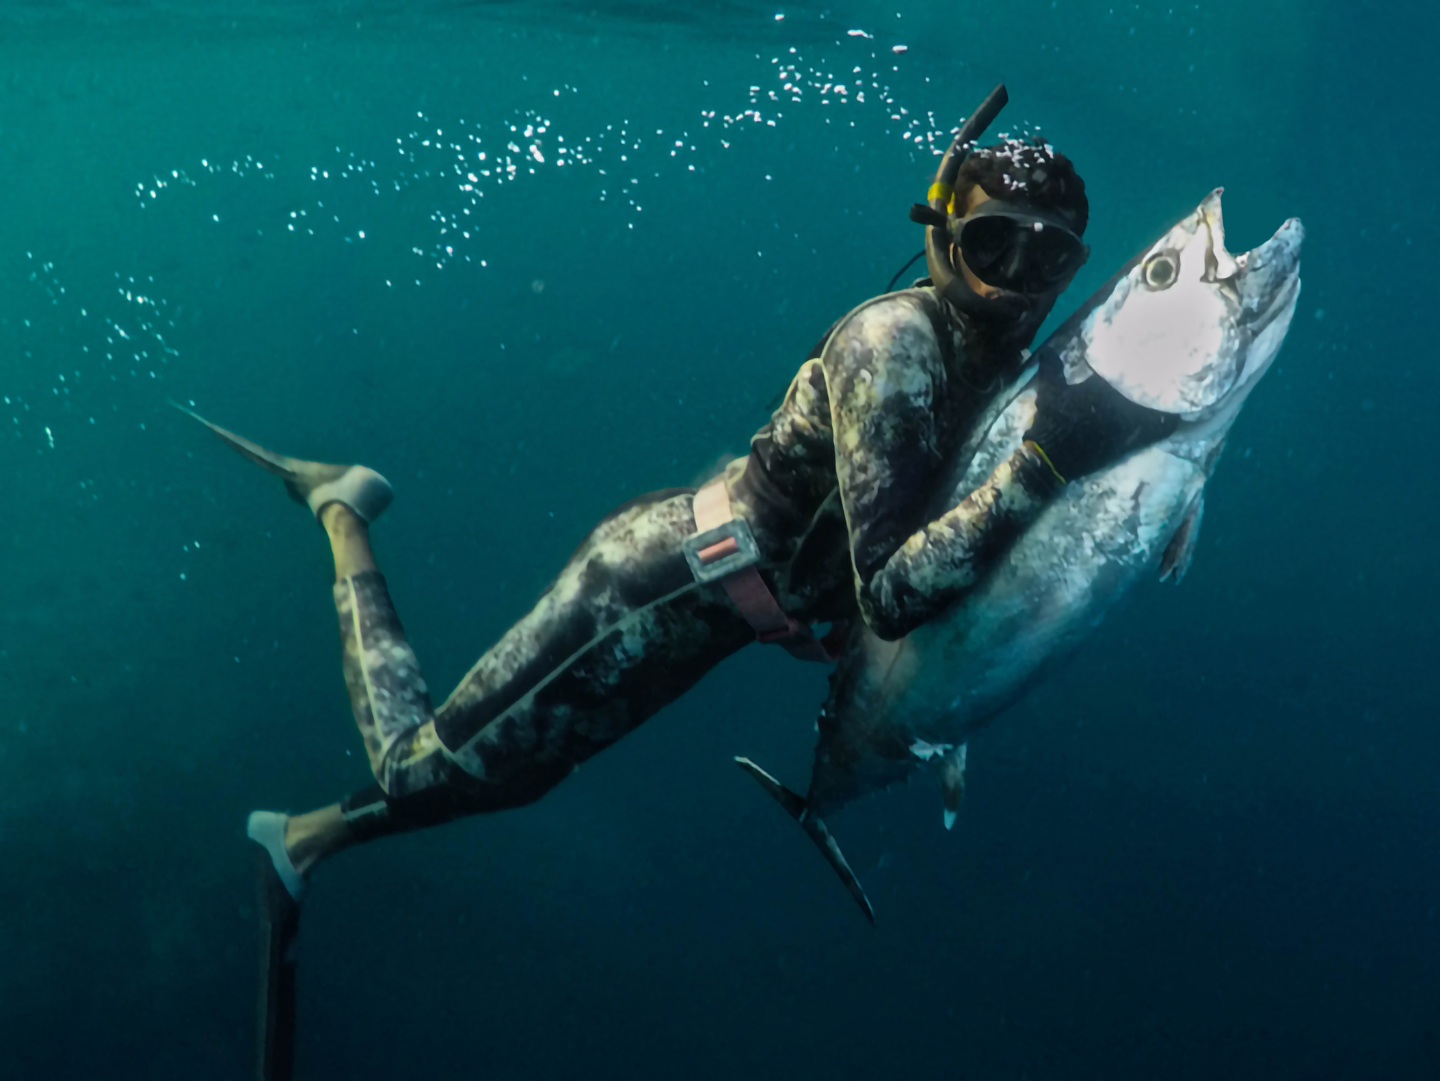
(1205, 848)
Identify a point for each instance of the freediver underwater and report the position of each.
(1185, 329)
(847, 511)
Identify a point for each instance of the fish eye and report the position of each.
(1161, 271)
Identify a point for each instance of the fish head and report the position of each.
(1188, 328)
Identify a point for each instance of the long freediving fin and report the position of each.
(267, 460)
(814, 827)
(279, 926)
(312, 484)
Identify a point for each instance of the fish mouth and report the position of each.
(1264, 281)
(1260, 288)
(1269, 277)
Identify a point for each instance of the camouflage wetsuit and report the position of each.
(851, 454)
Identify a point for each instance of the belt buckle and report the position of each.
(720, 552)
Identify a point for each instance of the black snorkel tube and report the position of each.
(1001, 305)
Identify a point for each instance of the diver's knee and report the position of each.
(410, 765)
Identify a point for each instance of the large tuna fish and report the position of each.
(1185, 328)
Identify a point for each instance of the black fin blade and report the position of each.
(268, 460)
(279, 926)
(815, 828)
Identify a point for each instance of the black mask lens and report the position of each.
(984, 242)
(1012, 253)
(1054, 254)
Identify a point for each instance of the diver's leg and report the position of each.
(387, 692)
(622, 631)
(388, 695)
(349, 540)
(316, 835)
(390, 703)
(365, 816)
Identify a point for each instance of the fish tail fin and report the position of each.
(814, 827)
(793, 802)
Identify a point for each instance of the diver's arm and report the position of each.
(886, 380)
(895, 408)
(895, 411)
(1077, 429)
(941, 561)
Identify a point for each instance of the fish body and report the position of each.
(1185, 328)
(896, 706)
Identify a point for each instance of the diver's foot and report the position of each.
(316, 835)
(267, 829)
(316, 484)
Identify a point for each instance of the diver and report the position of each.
(828, 518)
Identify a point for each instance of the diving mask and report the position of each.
(1000, 251)
(1019, 250)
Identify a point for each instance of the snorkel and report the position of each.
(999, 305)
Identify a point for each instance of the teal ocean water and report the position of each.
(532, 259)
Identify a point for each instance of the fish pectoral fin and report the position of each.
(818, 832)
(815, 828)
(951, 769)
(1181, 549)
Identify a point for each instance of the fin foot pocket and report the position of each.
(267, 829)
